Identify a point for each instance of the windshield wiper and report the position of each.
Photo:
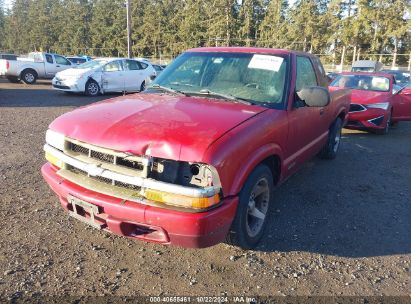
(227, 96)
(167, 89)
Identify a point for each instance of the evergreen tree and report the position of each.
(167, 27)
(108, 28)
(273, 28)
(2, 24)
(74, 37)
(249, 19)
(221, 24)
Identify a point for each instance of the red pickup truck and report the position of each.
(194, 160)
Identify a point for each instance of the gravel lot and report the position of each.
(339, 227)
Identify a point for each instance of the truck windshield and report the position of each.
(258, 78)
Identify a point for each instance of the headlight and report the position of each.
(381, 105)
(196, 175)
(55, 139)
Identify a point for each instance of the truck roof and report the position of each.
(255, 50)
(366, 63)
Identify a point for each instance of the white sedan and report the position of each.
(105, 75)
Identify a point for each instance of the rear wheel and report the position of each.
(92, 88)
(13, 79)
(333, 143)
(255, 199)
(29, 76)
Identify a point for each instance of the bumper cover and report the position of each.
(67, 87)
(148, 223)
(368, 119)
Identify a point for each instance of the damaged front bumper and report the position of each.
(142, 221)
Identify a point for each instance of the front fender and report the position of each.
(239, 151)
(258, 157)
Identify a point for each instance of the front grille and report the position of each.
(79, 149)
(103, 179)
(354, 123)
(102, 156)
(106, 157)
(357, 108)
(129, 163)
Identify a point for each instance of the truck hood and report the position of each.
(165, 126)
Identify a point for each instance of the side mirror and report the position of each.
(314, 96)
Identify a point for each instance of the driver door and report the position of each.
(308, 129)
(61, 63)
(134, 75)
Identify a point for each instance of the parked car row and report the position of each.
(105, 75)
(80, 74)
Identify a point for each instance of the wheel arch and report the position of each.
(269, 155)
(28, 69)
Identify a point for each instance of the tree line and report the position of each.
(337, 28)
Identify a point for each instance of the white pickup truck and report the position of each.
(36, 66)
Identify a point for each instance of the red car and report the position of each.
(194, 159)
(376, 101)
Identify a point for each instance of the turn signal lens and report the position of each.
(54, 160)
(181, 200)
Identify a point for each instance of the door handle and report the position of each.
(57, 66)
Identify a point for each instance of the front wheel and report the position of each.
(143, 86)
(386, 127)
(255, 199)
(92, 88)
(330, 149)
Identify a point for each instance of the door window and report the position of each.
(143, 65)
(61, 60)
(49, 58)
(114, 66)
(305, 73)
(132, 65)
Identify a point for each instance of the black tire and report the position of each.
(329, 151)
(386, 127)
(92, 88)
(143, 86)
(13, 79)
(29, 76)
(241, 233)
